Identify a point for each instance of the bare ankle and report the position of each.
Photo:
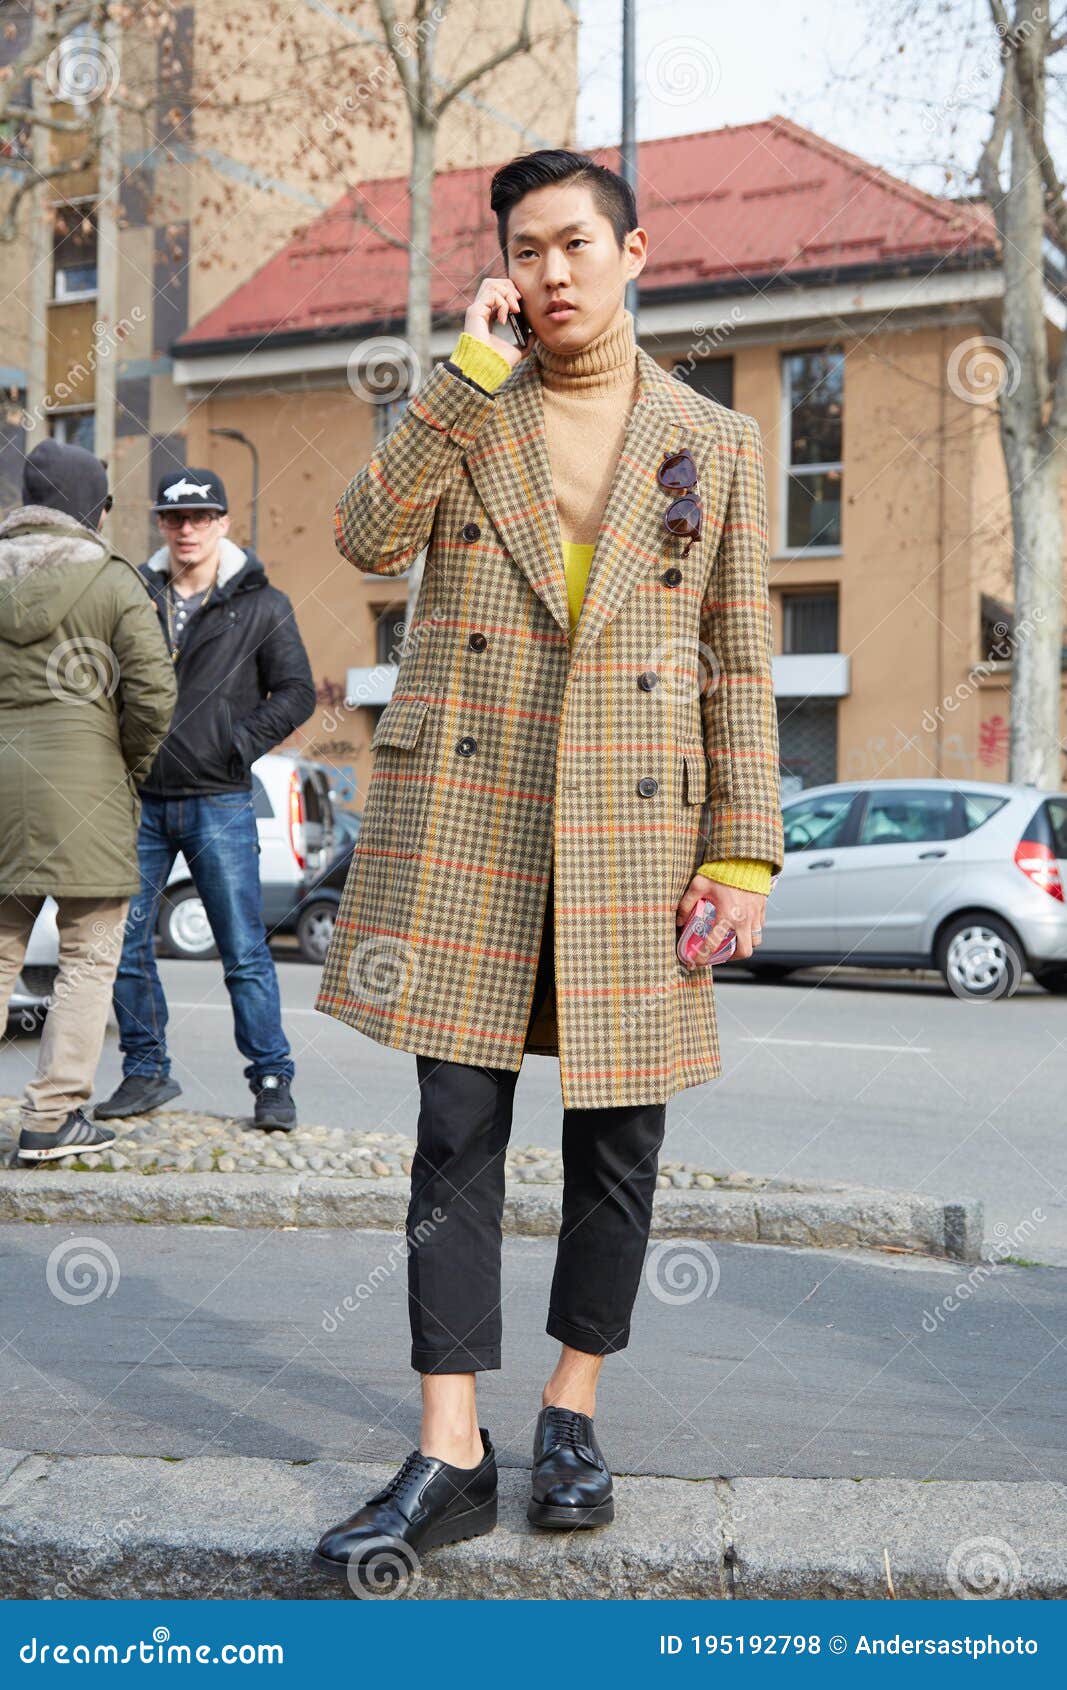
(457, 1448)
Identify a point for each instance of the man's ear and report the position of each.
(224, 523)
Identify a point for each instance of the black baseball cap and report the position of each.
(190, 490)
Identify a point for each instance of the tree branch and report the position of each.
(521, 44)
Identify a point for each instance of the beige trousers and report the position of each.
(90, 944)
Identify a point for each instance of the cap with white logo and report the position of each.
(190, 490)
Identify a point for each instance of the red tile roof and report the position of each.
(755, 202)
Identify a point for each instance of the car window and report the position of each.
(261, 804)
(812, 823)
(912, 818)
(979, 806)
(1056, 809)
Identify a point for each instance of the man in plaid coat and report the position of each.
(582, 742)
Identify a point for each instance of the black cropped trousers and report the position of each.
(454, 1222)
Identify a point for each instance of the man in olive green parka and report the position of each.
(87, 692)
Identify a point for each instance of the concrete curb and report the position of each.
(801, 1212)
(236, 1527)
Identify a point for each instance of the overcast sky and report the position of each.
(832, 65)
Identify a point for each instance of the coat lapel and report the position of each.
(512, 474)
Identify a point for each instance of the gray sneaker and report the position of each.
(138, 1094)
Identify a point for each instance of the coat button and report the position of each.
(648, 680)
(467, 746)
(647, 787)
(470, 531)
(671, 577)
(477, 642)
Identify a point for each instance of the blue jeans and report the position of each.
(217, 834)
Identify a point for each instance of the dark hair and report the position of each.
(613, 197)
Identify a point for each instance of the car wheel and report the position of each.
(980, 958)
(1052, 979)
(184, 930)
(314, 930)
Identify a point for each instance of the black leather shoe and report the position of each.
(425, 1504)
(571, 1483)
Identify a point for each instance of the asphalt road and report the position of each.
(190, 1340)
(882, 1080)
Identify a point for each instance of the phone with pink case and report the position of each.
(698, 927)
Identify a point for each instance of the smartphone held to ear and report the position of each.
(520, 328)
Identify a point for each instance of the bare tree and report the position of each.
(1033, 411)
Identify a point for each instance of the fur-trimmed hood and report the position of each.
(47, 561)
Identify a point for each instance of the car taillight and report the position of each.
(297, 837)
(1038, 863)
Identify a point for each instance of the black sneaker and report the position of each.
(425, 1504)
(274, 1103)
(138, 1094)
(571, 1482)
(75, 1135)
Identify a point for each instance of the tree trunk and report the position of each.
(1035, 473)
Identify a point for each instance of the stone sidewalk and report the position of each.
(175, 1166)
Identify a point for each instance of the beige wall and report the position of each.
(925, 529)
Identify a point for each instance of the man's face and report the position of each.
(562, 249)
(192, 536)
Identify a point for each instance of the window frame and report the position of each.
(788, 473)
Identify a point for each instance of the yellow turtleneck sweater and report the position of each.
(587, 397)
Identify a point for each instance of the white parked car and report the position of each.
(295, 821)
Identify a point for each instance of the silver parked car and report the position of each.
(963, 876)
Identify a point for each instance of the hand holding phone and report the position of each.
(498, 301)
(700, 924)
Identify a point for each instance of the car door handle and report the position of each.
(823, 862)
(924, 854)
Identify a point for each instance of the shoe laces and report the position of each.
(567, 1422)
(413, 1463)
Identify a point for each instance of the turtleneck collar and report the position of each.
(605, 362)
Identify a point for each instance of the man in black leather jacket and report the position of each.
(244, 684)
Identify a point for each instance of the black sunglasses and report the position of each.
(678, 474)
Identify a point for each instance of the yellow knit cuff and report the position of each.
(743, 872)
(479, 361)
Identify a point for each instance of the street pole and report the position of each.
(628, 151)
(243, 440)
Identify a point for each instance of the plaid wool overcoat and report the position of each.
(622, 759)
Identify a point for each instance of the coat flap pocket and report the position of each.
(400, 723)
(696, 776)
